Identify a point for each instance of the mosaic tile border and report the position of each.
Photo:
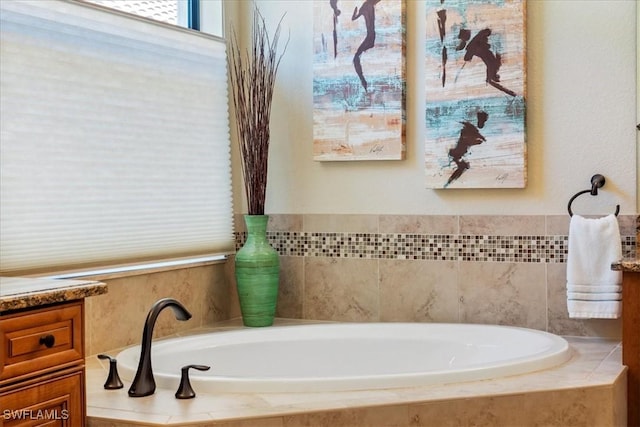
(436, 247)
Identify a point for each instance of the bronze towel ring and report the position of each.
(597, 181)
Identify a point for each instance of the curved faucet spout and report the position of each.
(143, 383)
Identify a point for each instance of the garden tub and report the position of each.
(348, 356)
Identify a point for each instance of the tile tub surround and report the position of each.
(472, 268)
(374, 289)
(116, 319)
(586, 391)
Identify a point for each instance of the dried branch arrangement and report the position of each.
(252, 75)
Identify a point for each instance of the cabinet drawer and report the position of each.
(57, 400)
(41, 340)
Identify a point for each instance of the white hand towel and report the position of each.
(595, 296)
(593, 245)
(587, 288)
(594, 309)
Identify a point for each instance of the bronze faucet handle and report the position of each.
(185, 391)
(113, 379)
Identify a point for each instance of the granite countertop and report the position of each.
(631, 261)
(627, 264)
(23, 292)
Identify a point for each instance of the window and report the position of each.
(114, 140)
(199, 15)
(170, 11)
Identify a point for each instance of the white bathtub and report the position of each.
(347, 356)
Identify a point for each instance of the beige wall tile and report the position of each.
(116, 318)
(572, 407)
(454, 413)
(277, 222)
(503, 293)
(627, 224)
(341, 289)
(419, 224)
(234, 303)
(251, 422)
(418, 291)
(290, 292)
(620, 401)
(340, 223)
(379, 416)
(284, 222)
(215, 298)
(502, 225)
(96, 422)
(558, 225)
(175, 284)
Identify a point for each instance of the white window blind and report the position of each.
(114, 139)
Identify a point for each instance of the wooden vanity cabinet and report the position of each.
(631, 342)
(42, 375)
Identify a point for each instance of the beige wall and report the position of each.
(581, 107)
(581, 104)
(580, 120)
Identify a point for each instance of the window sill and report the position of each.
(138, 269)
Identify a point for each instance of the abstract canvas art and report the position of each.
(358, 80)
(475, 94)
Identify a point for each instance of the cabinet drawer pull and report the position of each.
(48, 340)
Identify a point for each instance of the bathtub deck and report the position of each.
(587, 390)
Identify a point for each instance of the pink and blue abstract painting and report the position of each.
(475, 94)
(358, 80)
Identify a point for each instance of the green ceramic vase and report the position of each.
(257, 274)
